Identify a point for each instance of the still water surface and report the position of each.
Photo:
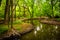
(43, 32)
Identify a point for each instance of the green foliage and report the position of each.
(30, 9)
(40, 8)
(3, 28)
(17, 22)
(2, 8)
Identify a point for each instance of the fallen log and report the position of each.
(46, 20)
(50, 22)
(38, 18)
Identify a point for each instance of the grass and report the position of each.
(4, 28)
(17, 22)
(18, 25)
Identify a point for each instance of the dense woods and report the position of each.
(18, 17)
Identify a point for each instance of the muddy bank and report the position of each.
(12, 37)
(13, 34)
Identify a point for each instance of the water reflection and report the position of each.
(35, 32)
(56, 27)
(38, 28)
(42, 32)
(41, 26)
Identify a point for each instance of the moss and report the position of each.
(3, 28)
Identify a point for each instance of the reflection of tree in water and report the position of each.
(58, 33)
(47, 32)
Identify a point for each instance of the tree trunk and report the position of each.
(11, 2)
(24, 10)
(0, 2)
(32, 6)
(7, 9)
(52, 8)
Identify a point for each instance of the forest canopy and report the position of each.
(50, 8)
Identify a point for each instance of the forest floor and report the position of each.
(21, 28)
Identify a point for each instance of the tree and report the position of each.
(11, 2)
(7, 12)
(0, 2)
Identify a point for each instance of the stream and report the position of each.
(43, 32)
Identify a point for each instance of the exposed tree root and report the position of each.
(13, 32)
(9, 33)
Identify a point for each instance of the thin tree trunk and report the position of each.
(24, 10)
(0, 2)
(32, 11)
(7, 8)
(52, 8)
(9, 14)
(11, 2)
(15, 12)
(19, 11)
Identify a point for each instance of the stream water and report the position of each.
(43, 32)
